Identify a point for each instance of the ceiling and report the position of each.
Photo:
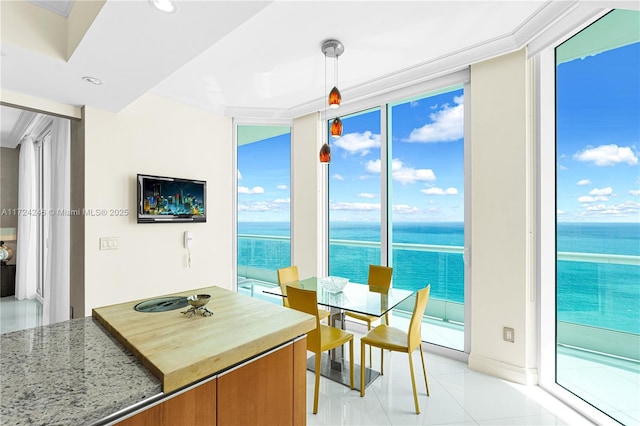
(262, 58)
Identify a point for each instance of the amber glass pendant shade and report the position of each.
(325, 153)
(336, 127)
(334, 98)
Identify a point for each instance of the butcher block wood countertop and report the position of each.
(180, 350)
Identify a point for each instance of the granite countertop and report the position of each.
(73, 372)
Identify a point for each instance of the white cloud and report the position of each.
(365, 195)
(358, 143)
(254, 190)
(560, 212)
(402, 174)
(282, 187)
(607, 155)
(439, 191)
(635, 192)
(583, 182)
(628, 208)
(590, 199)
(363, 207)
(239, 175)
(338, 177)
(447, 124)
(255, 207)
(404, 209)
(602, 192)
(279, 204)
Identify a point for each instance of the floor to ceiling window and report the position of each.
(427, 187)
(354, 197)
(396, 197)
(264, 220)
(598, 215)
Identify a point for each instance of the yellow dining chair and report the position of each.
(393, 339)
(323, 337)
(288, 275)
(380, 280)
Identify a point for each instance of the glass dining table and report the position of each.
(355, 297)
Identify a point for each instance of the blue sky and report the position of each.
(598, 137)
(598, 174)
(427, 163)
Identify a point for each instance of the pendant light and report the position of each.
(332, 49)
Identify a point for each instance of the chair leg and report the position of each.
(362, 360)
(317, 388)
(424, 369)
(413, 383)
(351, 364)
(370, 357)
(381, 362)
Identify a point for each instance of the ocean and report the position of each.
(597, 294)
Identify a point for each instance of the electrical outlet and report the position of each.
(508, 334)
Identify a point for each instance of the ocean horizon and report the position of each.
(595, 294)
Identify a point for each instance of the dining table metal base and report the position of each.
(338, 371)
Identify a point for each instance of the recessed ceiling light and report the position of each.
(92, 80)
(167, 6)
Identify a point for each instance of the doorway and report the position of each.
(34, 200)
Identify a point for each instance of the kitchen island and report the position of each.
(156, 367)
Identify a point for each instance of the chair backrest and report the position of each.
(285, 276)
(306, 301)
(414, 334)
(380, 276)
(288, 274)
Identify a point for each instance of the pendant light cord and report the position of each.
(324, 120)
(335, 71)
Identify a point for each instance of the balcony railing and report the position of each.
(570, 334)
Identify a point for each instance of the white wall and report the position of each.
(502, 203)
(155, 136)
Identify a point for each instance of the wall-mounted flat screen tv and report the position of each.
(168, 199)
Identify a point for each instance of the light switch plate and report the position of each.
(109, 243)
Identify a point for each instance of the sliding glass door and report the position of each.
(598, 215)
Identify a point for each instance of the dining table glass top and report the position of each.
(354, 297)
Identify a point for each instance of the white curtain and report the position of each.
(57, 292)
(26, 253)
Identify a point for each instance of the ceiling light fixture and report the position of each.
(92, 80)
(332, 49)
(166, 6)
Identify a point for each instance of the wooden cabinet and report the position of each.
(267, 390)
(196, 406)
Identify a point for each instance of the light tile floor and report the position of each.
(459, 396)
(19, 314)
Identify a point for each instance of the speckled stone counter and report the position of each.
(69, 373)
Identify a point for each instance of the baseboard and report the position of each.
(502, 370)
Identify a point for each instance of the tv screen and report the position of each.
(168, 199)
